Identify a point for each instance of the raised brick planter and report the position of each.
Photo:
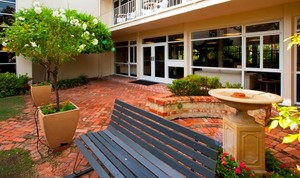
(172, 107)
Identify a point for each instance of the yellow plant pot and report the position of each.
(40, 94)
(59, 128)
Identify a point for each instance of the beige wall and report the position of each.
(285, 13)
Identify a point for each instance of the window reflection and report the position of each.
(253, 52)
(224, 52)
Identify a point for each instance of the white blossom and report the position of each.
(38, 10)
(61, 10)
(95, 42)
(55, 14)
(95, 21)
(4, 43)
(84, 26)
(26, 45)
(21, 18)
(72, 36)
(75, 22)
(33, 44)
(81, 47)
(63, 18)
(86, 34)
(36, 4)
(93, 34)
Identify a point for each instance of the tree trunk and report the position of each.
(55, 84)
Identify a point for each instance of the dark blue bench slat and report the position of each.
(135, 167)
(161, 154)
(146, 154)
(197, 136)
(207, 161)
(98, 153)
(131, 150)
(96, 166)
(115, 161)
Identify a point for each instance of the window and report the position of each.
(176, 47)
(125, 58)
(7, 60)
(217, 48)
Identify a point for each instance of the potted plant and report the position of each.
(52, 37)
(40, 93)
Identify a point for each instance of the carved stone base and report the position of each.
(246, 142)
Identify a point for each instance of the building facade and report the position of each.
(240, 41)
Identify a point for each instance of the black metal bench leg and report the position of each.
(80, 173)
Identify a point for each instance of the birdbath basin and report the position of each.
(242, 136)
(244, 100)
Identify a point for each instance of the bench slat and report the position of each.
(122, 113)
(155, 148)
(137, 168)
(197, 136)
(160, 168)
(117, 163)
(99, 170)
(158, 164)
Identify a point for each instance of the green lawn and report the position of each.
(16, 163)
(11, 106)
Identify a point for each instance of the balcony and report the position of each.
(135, 8)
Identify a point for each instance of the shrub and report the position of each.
(11, 85)
(277, 169)
(70, 83)
(233, 85)
(194, 85)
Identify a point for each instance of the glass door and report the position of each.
(154, 62)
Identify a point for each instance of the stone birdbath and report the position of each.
(243, 137)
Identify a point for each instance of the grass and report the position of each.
(11, 106)
(16, 163)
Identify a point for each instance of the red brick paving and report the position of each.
(95, 101)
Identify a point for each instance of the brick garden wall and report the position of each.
(172, 107)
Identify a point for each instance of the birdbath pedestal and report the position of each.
(243, 137)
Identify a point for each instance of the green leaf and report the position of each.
(283, 123)
(273, 125)
(290, 138)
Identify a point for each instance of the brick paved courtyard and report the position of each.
(95, 101)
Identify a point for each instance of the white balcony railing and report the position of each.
(132, 9)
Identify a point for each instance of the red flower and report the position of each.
(238, 171)
(242, 165)
(232, 159)
(251, 175)
(271, 172)
(224, 163)
(248, 169)
(282, 166)
(225, 154)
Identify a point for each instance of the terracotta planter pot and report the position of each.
(59, 128)
(41, 94)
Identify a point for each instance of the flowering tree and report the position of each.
(51, 37)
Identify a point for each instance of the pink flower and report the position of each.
(238, 171)
(224, 163)
(242, 165)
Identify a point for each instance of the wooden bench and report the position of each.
(140, 144)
